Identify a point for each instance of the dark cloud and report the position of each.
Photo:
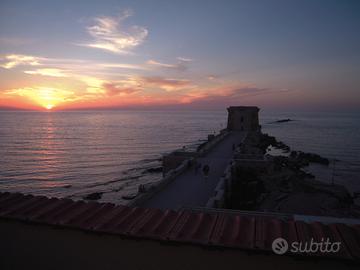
(234, 97)
(181, 65)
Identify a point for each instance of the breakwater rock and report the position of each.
(281, 185)
(282, 121)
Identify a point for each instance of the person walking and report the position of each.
(197, 167)
(206, 170)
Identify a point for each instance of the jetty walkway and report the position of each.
(191, 189)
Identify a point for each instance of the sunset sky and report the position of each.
(286, 54)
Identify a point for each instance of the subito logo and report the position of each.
(280, 246)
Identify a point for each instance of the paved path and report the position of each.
(192, 189)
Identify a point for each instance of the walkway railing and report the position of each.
(148, 191)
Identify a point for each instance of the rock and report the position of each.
(201, 146)
(93, 196)
(118, 189)
(281, 197)
(282, 146)
(315, 158)
(283, 120)
(129, 196)
(154, 170)
(267, 140)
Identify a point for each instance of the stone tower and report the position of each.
(243, 118)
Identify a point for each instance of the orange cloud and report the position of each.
(52, 72)
(45, 97)
(113, 89)
(166, 83)
(13, 60)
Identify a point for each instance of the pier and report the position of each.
(191, 188)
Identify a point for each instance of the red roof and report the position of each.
(217, 229)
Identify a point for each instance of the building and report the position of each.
(243, 118)
(42, 233)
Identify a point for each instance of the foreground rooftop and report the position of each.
(231, 230)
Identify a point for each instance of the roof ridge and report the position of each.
(218, 229)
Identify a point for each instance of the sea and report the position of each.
(74, 154)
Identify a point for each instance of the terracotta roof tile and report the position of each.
(234, 230)
(351, 237)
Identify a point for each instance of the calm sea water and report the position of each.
(73, 154)
(332, 135)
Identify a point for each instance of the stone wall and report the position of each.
(223, 191)
(174, 159)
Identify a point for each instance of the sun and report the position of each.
(49, 106)
(45, 97)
